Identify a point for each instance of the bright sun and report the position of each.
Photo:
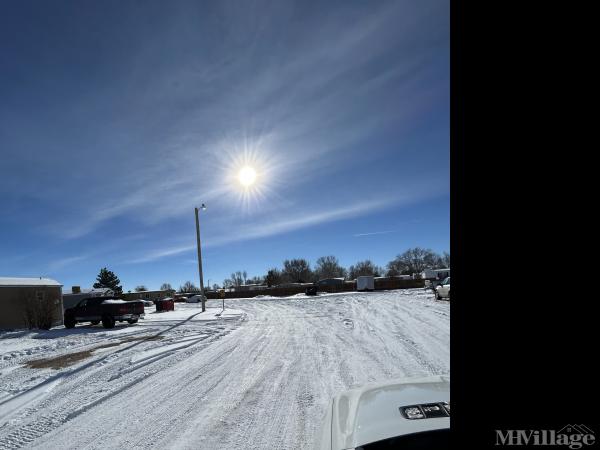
(247, 176)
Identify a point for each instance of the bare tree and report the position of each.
(445, 260)
(140, 288)
(29, 313)
(166, 287)
(329, 267)
(237, 279)
(255, 280)
(245, 277)
(415, 260)
(363, 268)
(297, 270)
(45, 315)
(39, 313)
(273, 277)
(392, 270)
(188, 286)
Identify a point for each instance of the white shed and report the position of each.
(365, 283)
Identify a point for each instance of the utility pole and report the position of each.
(200, 258)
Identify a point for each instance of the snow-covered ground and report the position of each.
(257, 376)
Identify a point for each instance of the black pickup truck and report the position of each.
(105, 309)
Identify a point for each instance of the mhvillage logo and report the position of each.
(573, 436)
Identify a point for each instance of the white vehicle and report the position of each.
(407, 413)
(443, 290)
(194, 299)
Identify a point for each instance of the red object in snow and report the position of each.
(166, 304)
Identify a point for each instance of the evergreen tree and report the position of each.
(107, 279)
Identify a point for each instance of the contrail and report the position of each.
(376, 232)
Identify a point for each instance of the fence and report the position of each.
(397, 283)
(274, 291)
(347, 286)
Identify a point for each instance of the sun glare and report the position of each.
(248, 168)
(247, 176)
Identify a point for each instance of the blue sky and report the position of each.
(118, 117)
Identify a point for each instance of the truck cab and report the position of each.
(443, 290)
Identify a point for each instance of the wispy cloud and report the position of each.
(262, 230)
(374, 233)
(341, 121)
(64, 262)
(303, 121)
(159, 254)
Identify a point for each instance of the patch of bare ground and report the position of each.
(141, 338)
(60, 361)
(69, 359)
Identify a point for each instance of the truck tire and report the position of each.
(70, 322)
(108, 322)
(437, 296)
(132, 321)
(95, 322)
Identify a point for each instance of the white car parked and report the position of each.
(407, 413)
(194, 299)
(443, 290)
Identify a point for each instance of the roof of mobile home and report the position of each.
(28, 282)
(86, 291)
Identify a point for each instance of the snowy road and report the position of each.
(260, 376)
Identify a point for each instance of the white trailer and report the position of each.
(428, 274)
(435, 274)
(441, 274)
(365, 283)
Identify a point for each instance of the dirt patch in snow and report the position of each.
(60, 361)
(69, 359)
(142, 338)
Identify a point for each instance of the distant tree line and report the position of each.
(299, 270)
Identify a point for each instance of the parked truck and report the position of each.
(104, 309)
(434, 277)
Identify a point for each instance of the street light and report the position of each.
(203, 207)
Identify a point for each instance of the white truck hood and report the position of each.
(372, 413)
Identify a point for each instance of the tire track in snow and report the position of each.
(78, 392)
